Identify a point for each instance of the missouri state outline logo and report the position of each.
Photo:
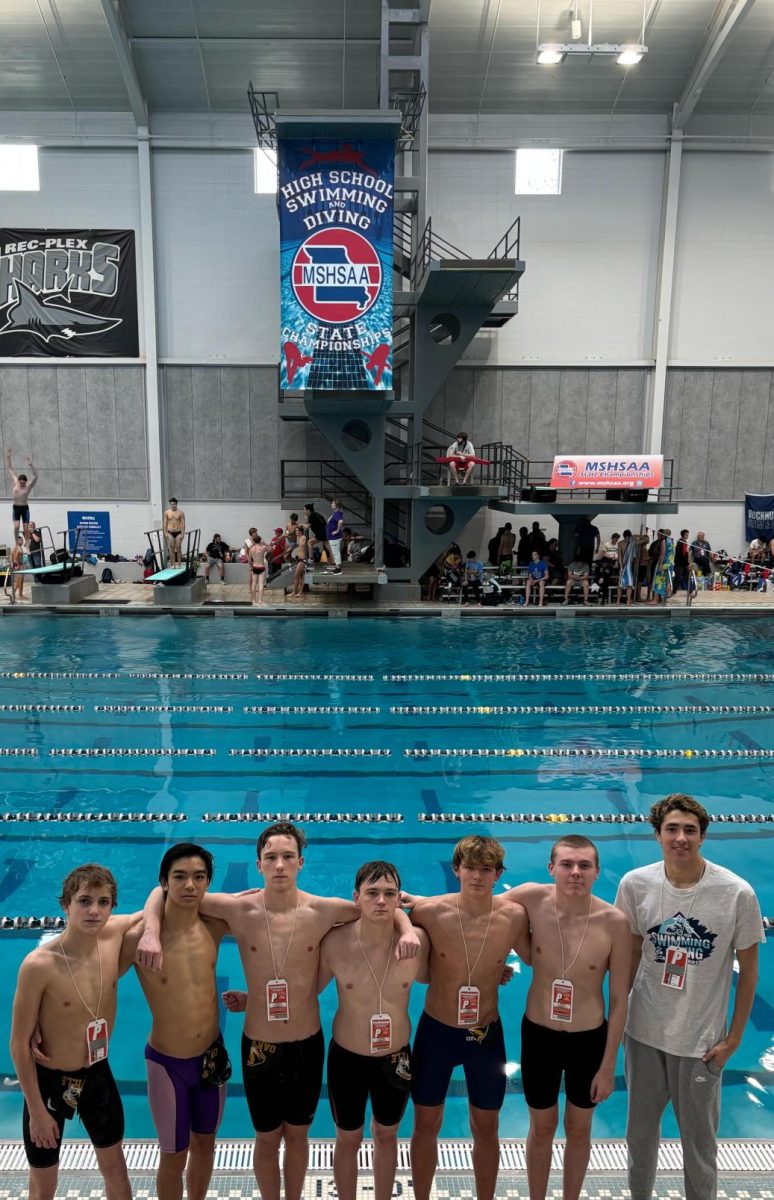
(336, 276)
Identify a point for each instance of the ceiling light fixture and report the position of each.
(549, 56)
(631, 55)
(554, 53)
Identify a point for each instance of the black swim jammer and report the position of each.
(546, 1054)
(283, 1080)
(90, 1092)
(352, 1078)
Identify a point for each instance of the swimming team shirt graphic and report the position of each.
(686, 932)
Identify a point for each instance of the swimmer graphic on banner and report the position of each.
(336, 212)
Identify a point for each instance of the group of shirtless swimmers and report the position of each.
(292, 944)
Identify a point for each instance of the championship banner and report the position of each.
(336, 203)
(594, 471)
(68, 293)
(758, 516)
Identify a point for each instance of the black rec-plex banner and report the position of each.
(68, 293)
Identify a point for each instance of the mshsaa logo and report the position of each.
(336, 275)
(566, 469)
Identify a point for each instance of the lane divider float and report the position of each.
(90, 816)
(296, 678)
(591, 677)
(499, 710)
(577, 818)
(129, 752)
(582, 752)
(33, 708)
(164, 708)
(309, 818)
(273, 710)
(302, 752)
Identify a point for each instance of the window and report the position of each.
(19, 169)
(265, 171)
(539, 172)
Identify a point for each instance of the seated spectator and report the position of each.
(451, 569)
(758, 550)
(473, 577)
(553, 556)
(523, 550)
(346, 538)
(610, 549)
(736, 574)
(216, 556)
(577, 575)
(537, 574)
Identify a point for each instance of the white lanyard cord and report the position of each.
(696, 888)
(278, 974)
(561, 939)
(465, 944)
(94, 1015)
(379, 985)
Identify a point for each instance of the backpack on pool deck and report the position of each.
(107, 576)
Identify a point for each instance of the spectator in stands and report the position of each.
(334, 531)
(682, 561)
(577, 575)
(346, 538)
(473, 577)
(291, 533)
(507, 543)
(553, 556)
(523, 551)
(537, 574)
(628, 566)
(451, 570)
(587, 541)
(662, 577)
(610, 549)
(701, 553)
(461, 451)
(756, 553)
(216, 556)
(537, 540)
(493, 547)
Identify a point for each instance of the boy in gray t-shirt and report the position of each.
(688, 917)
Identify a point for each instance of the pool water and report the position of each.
(36, 856)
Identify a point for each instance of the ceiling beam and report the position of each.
(126, 63)
(725, 22)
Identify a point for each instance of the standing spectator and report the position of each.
(537, 573)
(662, 579)
(610, 549)
(35, 544)
(299, 572)
(577, 573)
(247, 544)
(315, 532)
(462, 454)
(507, 543)
(523, 550)
(334, 531)
(278, 551)
(553, 556)
(537, 540)
(701, 553)
(17, 563)
(493, 547)
(587, 539)
(473, 577)
(643, 570)
(682, 561)
(688, 918)
(628, 566)
(291, 532)
(216, 556)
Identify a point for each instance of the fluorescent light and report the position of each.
(19, 169)
(265, 171)
(549, 56)
(630, 56)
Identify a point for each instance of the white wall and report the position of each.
(723, 307)
(591, 253)
(217, 259)
(81, 189)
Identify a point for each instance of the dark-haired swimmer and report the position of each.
(256, 563)
(66, 996)
(186, 1061)
(278, 932)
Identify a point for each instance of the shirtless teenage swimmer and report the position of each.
(21, 486)
(278, 932)
(576, 941)
(67, 989)
(186, 1061)
(471, 934)
(256, 563)
(174, 530)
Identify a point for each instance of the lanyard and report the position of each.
(379, 985)
(465, 944)
(696, 889)
(561, 939)
(278, 974)
(94, 1015)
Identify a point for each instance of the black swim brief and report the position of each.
(439, 1048)
(21, 512)
(258, 570)
(353, 1078)
(283, 1080)
(92, 1094)
(546, 1054)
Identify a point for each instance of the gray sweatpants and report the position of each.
(654, 1079)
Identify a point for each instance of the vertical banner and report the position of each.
(336, 205)
(758, 516)
(68, 293)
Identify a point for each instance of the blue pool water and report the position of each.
(35, 857)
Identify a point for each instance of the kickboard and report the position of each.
(167, 574)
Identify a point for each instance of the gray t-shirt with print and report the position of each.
(711, 920)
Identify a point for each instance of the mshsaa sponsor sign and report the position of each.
(336, 208)
(597, 471)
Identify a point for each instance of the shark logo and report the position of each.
(686, 932)
(41, 315)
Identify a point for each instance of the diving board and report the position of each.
(168, 574)
(58, 568)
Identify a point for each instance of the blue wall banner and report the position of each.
(336, 206)
(758, 516)
(95, 531)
